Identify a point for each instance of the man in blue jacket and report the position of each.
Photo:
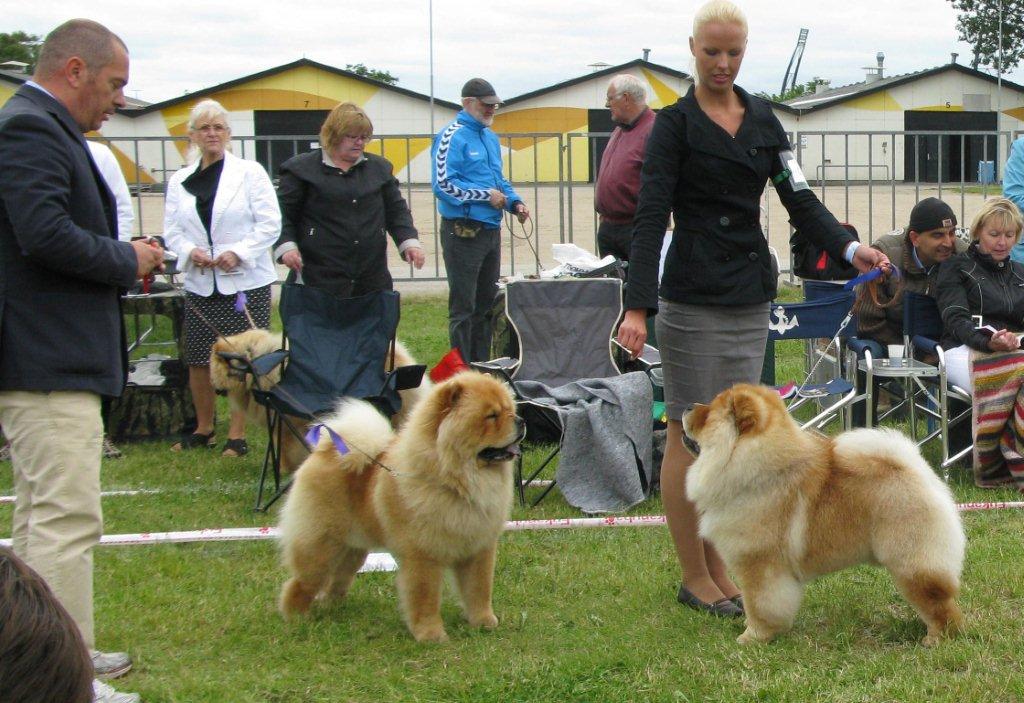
(471, 195)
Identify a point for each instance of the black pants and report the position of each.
(614, 239)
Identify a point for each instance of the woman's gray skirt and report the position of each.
(705, 349)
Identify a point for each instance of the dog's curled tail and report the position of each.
(361, 428)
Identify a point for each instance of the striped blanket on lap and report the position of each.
(998, 418)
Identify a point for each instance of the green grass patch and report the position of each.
(587, 615)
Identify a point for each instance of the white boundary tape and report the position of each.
(229, 534)
(104, 494)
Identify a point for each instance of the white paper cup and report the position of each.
(895, 351)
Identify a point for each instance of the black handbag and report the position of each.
(812, 262)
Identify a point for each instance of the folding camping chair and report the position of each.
(827, 318)
(337, 347)
(565, 330)
(922, 326)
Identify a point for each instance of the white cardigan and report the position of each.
(246, 220)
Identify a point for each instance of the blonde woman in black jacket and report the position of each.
(981, 297)
(708, 159)
(982, 290)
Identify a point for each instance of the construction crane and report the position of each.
(798, 53)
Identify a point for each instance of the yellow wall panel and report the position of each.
(128, 168)
(396, 151)
(881, 101)
(537, 162)
(940, 108)
(663, 95)
(542, 120)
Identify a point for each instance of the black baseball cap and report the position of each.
(481, 90)
(931, 213)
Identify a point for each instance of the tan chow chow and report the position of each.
(436, 496)
(238, 386)
(783, 506)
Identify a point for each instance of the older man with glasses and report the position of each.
(471, 194)
(618, 179)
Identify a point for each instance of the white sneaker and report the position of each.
(110, 665)
(105, 693)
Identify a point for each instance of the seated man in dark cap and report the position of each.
(471, 194)
(918, 249)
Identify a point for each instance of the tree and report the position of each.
(796, 91)
(20, 46)
(978, 24)
(382, 76)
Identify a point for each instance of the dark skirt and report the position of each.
(706, 349)
(207, 317)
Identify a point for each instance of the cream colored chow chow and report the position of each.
(783, 506)
(436, 496)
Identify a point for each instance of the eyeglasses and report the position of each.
(608, 102)
(216, 128)
(488, 106)
(358, 137)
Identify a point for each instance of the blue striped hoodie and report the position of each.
(467, 163)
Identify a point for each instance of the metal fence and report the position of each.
(870, 179)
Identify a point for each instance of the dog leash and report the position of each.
(527, 236)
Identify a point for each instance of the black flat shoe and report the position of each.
(738, 600)
(194, 440)
(723, 608)
(236, 447)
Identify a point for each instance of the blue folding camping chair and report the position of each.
(337, 347)
(826, 318)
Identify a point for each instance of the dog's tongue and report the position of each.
(501, 453)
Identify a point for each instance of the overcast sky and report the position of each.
(519, 45)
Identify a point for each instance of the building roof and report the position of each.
(610, 71)
(828, 98)
(18, 79)
(301, 63)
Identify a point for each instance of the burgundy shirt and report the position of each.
(618, 180)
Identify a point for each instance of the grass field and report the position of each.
(587, 615)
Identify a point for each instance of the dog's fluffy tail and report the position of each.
(363, 429)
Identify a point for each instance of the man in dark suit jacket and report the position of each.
(61, 330)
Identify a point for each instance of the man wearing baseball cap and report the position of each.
(471, 195)
(928, 240)
(918, 249)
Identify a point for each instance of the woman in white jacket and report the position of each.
(221, 219)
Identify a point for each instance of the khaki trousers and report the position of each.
(56, 440)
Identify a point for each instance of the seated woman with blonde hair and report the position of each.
(980, 294)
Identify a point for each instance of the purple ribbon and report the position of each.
(313, 438)
(240, 301)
